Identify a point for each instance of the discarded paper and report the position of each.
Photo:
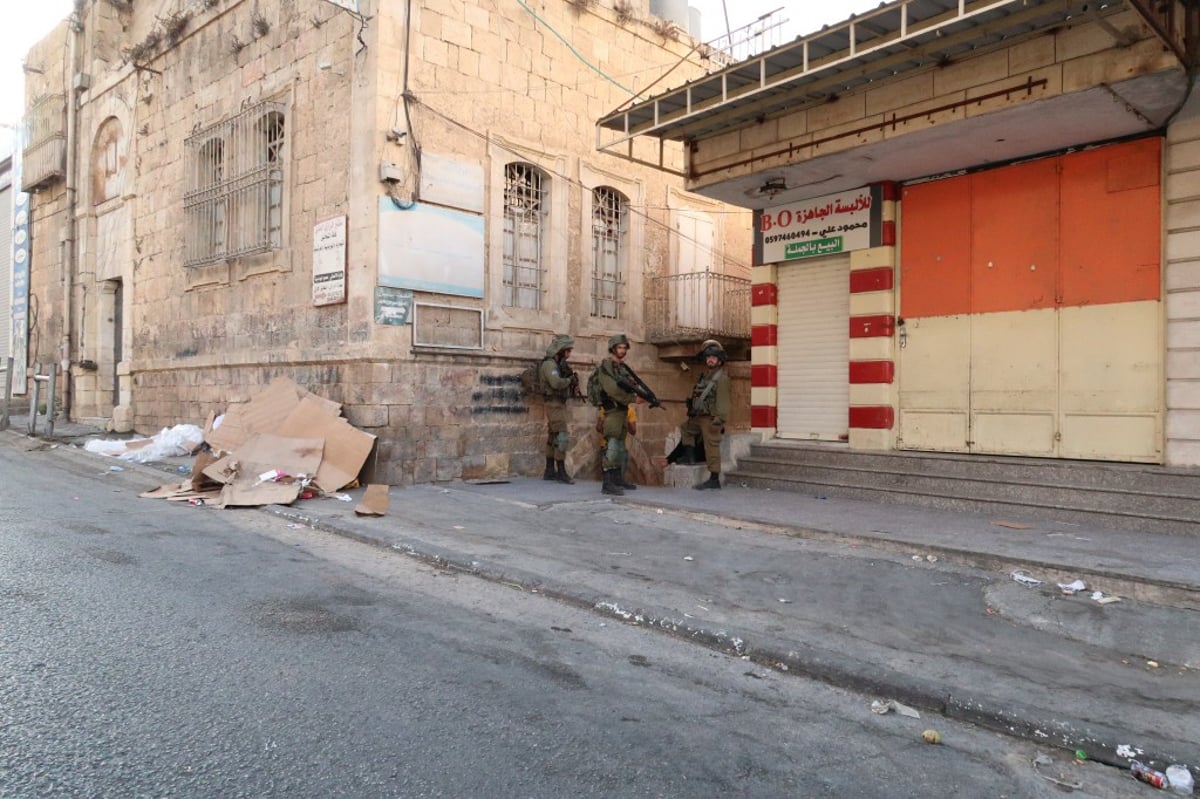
(884, 706)
(1025, 580)
(1070, 589)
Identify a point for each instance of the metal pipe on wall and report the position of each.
(70, 250)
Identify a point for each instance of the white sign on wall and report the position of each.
(329, 261)
(349, 5)
(835, 223)
(427, 248)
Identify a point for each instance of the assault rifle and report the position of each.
(640, 388)
(566, 371)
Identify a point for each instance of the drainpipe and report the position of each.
(69, 250)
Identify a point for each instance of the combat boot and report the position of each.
(610, 484)
(549, 474)
(561, 473)
(687, 455)
(713, 481)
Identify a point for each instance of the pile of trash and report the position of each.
(283, 444)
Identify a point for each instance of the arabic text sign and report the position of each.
(329, 261)
(819, 226)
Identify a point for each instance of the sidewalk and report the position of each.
(831, 589)
(895, 602)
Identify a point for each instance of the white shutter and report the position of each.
(814, 349)
(6, 298)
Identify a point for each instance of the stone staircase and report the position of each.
(1117, 495)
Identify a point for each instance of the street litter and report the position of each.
(374, 501)
(931, 737)
(1150, 776)
(1012, 525)
(1044, 760)
(343, 498)
(1024, 579)
(259, 452)
(1070, 589)
(931, 558)
(688, 557)
(1180, 779)
(170, 442)
(116, 468)
(885, 706)
(1099, 596)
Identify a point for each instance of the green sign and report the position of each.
(813, 247)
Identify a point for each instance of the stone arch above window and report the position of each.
(108, 161)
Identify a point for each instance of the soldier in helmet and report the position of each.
(559, 383)
(617, 384)
(708, 408)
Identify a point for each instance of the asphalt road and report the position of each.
(150, 649)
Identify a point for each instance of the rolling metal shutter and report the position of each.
(814, 349)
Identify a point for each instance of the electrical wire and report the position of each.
(575, 182)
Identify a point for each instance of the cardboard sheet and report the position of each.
(265, 452)
(346, 447)
(263, 413)
(374, 501)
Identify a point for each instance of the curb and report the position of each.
(1101, 742)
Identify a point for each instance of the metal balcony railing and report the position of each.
(44, 156)
(697, 305)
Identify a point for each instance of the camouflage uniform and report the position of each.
(558, 385)
(616, 380)
(708, 408)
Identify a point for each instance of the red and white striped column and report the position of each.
(872, 335)
(764, 350)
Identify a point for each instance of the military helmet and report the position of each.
(711, 347)
(617, 338)
(560, 342)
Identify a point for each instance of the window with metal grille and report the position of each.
(525, 207)
(234, 200)
(610, 211)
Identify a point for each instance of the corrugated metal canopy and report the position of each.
(895, 38)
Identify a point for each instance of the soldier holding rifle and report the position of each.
(621, 387)
(559, 383)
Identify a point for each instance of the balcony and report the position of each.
(689, 308)
(44, 156)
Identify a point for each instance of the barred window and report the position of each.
(525, 229)
(610, 211)
(234, 200)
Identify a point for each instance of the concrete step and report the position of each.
(1125, 496)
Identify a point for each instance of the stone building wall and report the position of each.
(466, 81)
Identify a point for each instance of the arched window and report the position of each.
(234, 204)
(525, 205)
(610, 214)
(270, 146)
(108, 161)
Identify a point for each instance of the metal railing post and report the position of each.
(33, 400)
(50, 412)
(8, 368)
